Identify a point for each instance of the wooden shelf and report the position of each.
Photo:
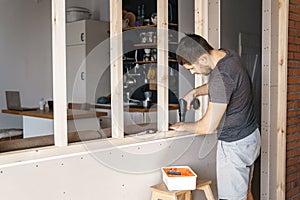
(152, 44)
(148, 62)
(172, 60)
(173, 24)
(143, 27)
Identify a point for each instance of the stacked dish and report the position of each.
(77, 13)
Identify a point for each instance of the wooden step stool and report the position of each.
(160, 191)
(204, 185)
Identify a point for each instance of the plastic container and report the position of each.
(179, 178)
(77, 13)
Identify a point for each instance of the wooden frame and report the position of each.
(116, 69)
(59, 72)
(162, 66)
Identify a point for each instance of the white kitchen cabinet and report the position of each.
(76, 72)
(82, 37)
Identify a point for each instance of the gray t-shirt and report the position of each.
(229, 83)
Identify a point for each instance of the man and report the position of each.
(230, 113)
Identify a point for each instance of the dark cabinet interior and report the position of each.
(140, 50)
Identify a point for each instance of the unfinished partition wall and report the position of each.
(293, 104)
(102, 167)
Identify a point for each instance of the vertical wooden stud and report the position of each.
(201, 28)
(116, 69)
(274, 100)
(282, 96)
(265, 118)
(214, 23)
(162, 67)
(59, 72)
(201, 18)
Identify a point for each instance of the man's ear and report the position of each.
(204, 59)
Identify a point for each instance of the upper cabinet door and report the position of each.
(76, 33)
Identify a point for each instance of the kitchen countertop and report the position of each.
(47, 114)
(136, 108)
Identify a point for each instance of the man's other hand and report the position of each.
(179, 126)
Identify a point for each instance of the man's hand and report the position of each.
(191, 95)
(179, 126)
(189, 98)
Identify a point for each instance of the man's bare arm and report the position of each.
(201, 90)
(208, 124)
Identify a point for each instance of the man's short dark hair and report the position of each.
(190, 48)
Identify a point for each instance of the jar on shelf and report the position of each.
(150, 35)
(143, 37)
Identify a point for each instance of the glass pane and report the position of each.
(173, 65)
(88, 75)
(140, 66)
(26, 121)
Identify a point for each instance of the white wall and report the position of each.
(25, 53)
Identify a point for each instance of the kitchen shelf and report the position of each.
(148, 62)
(152, 44)
(152, 61)
(148, 26)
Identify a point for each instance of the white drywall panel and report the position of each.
(116, 172)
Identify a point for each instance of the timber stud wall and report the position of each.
(293, 104)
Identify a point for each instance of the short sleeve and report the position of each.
(220, 87)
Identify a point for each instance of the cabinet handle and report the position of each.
(82, 37)
(82, 76)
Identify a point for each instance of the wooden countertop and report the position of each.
(153, 108)
(71, 114)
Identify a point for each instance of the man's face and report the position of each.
(202, 66)
(198, 69)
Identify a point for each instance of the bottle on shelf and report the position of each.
(42, 104)
(139, 14)
(142, 14)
